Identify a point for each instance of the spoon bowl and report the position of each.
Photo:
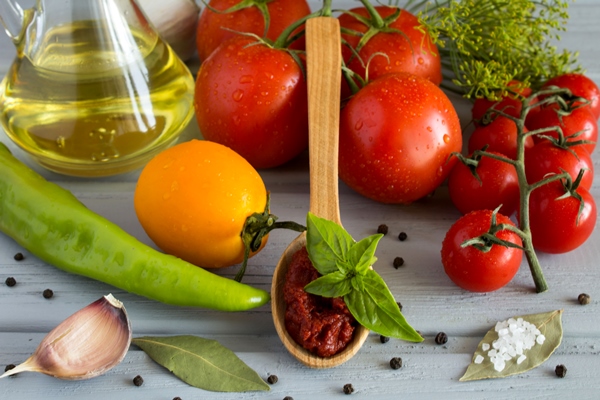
(323, 49)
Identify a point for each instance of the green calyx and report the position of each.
(260, 4)
(345, 266)
(375, 24)
(256, 228)
(486, 241)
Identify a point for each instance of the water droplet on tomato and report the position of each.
(421, 61)
(238, 95)
(246, 79)
(446, 139)
(358, 125)
(429, 129)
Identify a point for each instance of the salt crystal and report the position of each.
(521, 359)
(485, 346)
(540, 339)
(479, 359)
(499, 365)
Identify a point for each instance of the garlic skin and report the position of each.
(87, 344)
(175, 21)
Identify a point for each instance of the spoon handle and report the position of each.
(324, 74)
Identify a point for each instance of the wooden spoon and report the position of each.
(323, 58)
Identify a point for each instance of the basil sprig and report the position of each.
(345, 266)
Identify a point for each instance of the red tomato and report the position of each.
(547, 158)
(214, 28)
(510, 104)
(500, 136)
(554, 223)
(473, 269)
(253, 99)
(498, 185)
(396, 136)
(581, 86)
(580, 119)
(409, 50)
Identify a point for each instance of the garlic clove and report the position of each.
(176, 22)
(87, 344)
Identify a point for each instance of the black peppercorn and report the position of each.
(288, 398)
(384, 339)
(402, 236)
(9, 367)
(561, 371)
(441, 338)
(396, 363)
(399, 305)
(138, 380)
(19, 257)
(383, 228)
(348, 388)
(10, 281)
(398, 262)
(48, 293)
(584, 299)
(272, 379)
(177, 398)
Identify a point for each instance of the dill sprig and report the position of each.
(485, 44)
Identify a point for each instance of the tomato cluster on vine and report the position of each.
(541, 142)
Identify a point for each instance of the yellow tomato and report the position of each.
(193, 200)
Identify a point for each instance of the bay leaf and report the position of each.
(549, 324)
(202, 363)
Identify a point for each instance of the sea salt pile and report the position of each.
(515, 337)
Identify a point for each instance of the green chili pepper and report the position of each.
(51, 223)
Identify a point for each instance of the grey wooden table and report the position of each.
(432, 303)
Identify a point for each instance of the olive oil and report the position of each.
(82, 103)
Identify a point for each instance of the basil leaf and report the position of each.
(335, 284)
(326, 243)
(357, 283)
(202, 363)
(362, 254)
(376, 309)
(549, 324)
(344, 266)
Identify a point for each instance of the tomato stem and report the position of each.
(256, 228)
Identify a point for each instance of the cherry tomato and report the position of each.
(253, 99)
(548, 158)
(510, 104)
(579, 119)
(214, 28)
(556, 225)
(409, 50)
(498, 185)
(396, 137)
(500, 135)
(473, 269)
(581, 86)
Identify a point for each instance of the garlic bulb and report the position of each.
(175, 21)
(85, 345)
